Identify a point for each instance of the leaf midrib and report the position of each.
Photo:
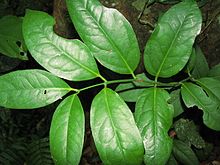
(36, 89)
(168, 51)
(200, 103)
(63, 51)
(109, 39)
(112, 123)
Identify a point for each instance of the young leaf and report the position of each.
(169, 47)
(184, 154)
(154, 117)
(10, 36)
(68, 59)
(115, 133)
(215, 72)
(201, 67)
(194, 95)
(107, 33)
(211, 86)
(67, 132)
(27, 89)
(131, 95)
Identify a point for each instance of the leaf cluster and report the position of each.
(120, 136)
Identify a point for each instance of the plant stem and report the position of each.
(150, 84)
(105, 84)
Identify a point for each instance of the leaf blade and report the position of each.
(67, 131)
(169, 47)
(211, 86)
(153, 116)
(29, 89)
(68, 59)
(107, 33)
(194, 95)
(116, 136)
(184, 153)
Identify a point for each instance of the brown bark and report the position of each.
(63, 26)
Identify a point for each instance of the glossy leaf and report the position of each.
(115, 133)
(215, 72)
(27, 89)
(169, 47)
(69, 59)
(67, 132)
(154, 116)
(107, 33)
(201, 67)
(11, 39)
(184, 154)
(194, 95)
(175, 100)
(131, 95)
(211, 86)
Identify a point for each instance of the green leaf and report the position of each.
(215, 72)
(211, 86)
(201, 67)
(154, 116)
(187, 132)
(67, 132)
(11, 39)
(192, 61)
(172, 160)
(184, 154)
(194, 95)
(115, 133)
(27, 89)
(131, 95)
(175, 100)
(68, 59)
(107, 33)
(124, 86)
(169, 47)
(140, 4)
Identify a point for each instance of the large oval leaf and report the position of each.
(194, 95)
(67, 132)
(169, 47)
(69, 59)
(107, 33)
(115, 133)
(154, 116)
(28, 89)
